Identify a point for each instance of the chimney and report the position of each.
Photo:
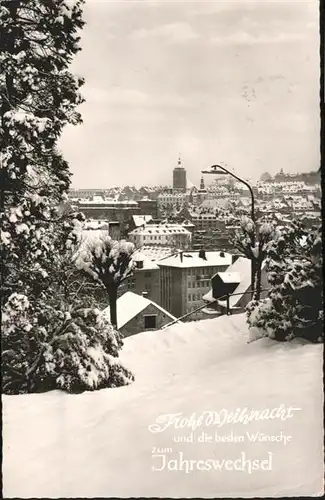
(202, 254)
(145, 294)
(181, 256)
(222, 254)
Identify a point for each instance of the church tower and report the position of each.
(179, 176)
(202, 192)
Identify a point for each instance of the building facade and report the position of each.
(171, 235)
(185, 279)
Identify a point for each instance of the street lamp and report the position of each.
(220, 170)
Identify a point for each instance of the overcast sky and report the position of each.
(216, 81)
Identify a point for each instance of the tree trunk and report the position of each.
(258, 287)
(112, 295)
(253, 276)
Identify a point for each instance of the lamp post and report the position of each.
(220, 170)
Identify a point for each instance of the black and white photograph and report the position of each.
(161, 248)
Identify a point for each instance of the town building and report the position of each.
(172, 235)
(136, 314)
(179, 177)
(185, 278)
(148, 207)
(139, 221)
(110, 210)
(200, 195)
(235, 280)
(145, 278)
(85, 193)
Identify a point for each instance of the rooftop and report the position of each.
(160, 229)
(230, 277)
(130, 305)
(192, 259)
(106, 201)
(240, 269)
(140, 220)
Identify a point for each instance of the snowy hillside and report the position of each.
(100, 444)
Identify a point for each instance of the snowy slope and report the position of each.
(99, 444)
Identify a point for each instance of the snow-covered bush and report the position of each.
(54, 335)
(294, 305)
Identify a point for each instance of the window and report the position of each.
(131, 284)
(150, 321)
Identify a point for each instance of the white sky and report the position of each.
(216, 81)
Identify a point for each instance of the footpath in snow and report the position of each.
(119, 442)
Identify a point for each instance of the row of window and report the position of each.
(165, 237)
(195, 271)
(199, 284)
(192, 297)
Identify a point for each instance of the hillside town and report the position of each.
(183, 235)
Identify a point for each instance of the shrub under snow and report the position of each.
(294, 305)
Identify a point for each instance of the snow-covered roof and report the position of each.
(107, 201)
(147, 262)
(140, 220)
(130, 305)
(156, 252)
(230, 277)
(241, 267)
(160, 229)
(192, 259)
(173, 195)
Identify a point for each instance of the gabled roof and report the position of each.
(241, 267)
(129, 305)
(229, 277)
(140, 220)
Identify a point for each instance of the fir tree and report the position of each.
(52, 335)
(294, 304)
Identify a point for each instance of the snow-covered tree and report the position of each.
(253, 240)
(38, 97)
(109, 262)
(294, 305)
(52, 336)
(57, 337)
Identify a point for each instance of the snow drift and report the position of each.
(99, 443)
